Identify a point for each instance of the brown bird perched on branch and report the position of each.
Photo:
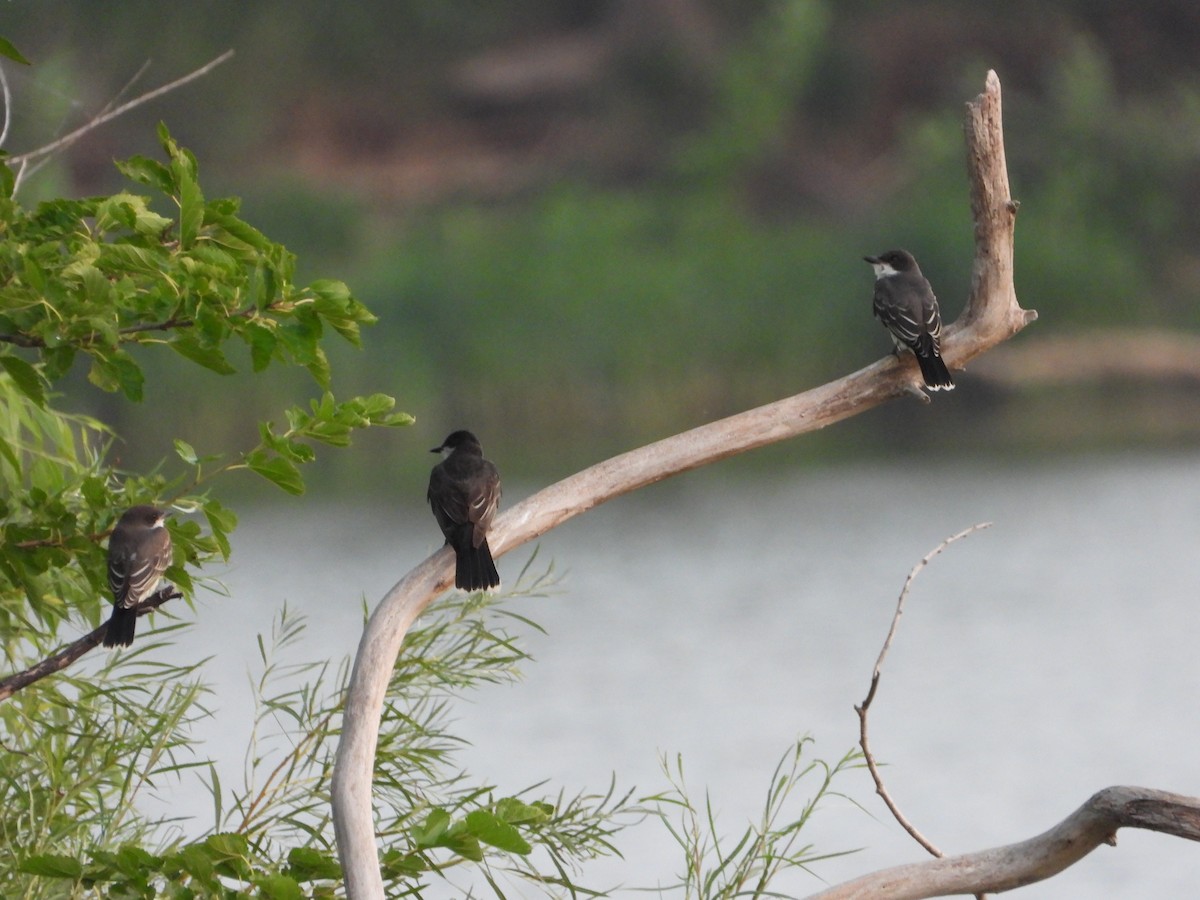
(139, 551)
(464, 492)
(905, 303)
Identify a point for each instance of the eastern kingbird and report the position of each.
(139, 551)
(905, 303)
(464, 491)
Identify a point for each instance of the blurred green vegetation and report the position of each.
(671, 236)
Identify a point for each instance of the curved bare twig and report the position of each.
(1016, 865)
(991, 316)
(865, 706)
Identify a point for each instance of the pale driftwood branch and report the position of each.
(991, 316)
(865, 706)
(1039, 858)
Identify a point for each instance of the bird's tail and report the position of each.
(120, 627)
(475, 570)
(933, 368)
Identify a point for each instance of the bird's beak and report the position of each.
(436, 450)
(873, 260)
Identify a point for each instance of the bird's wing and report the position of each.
(906, 324)
(134, 575)
(483, 502)
(910, 316)
(118, 576)
(146, 567)
(933, 317)
(449, 506)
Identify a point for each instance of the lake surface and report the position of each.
(721, 616)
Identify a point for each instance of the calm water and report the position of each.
(1038, 661)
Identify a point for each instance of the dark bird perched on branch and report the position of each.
(139, 551)
(464, 491)
(905, 303)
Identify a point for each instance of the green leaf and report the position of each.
(52, 865)
(221, 522)
(191, 200)
(279, 471)
(7, 49)
(309, 864)
(185, 452)
(490, 830)
(396, 863)
(336, 305)
(228, 852)
(58, 361)
(279, 887)
(117, 371)
(133, 860)
(433, 830)
(319, 367)
(123, 259)
(25, 377)
(94, 489)
(465, 845)
(196, 861)
(189, 346)
(233, 233)
(211, 324)
(262, 344)
(515, 812)
(227, 844)
(179, 577)
(149, 172)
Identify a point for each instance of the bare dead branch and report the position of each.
(76, 649)
(991, 316)
(862, 709)
(1016, 865)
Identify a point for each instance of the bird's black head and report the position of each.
(894, 261)
(143, 516)
(455, 440)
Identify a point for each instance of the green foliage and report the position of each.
(767, 848)
(96, 278)
(109, 279)
(99, 276)
(79, 751)
(221, 865)
(272, 836)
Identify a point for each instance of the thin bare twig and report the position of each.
(68, 139)
(862, 709)
(137, 76)
(76, 649)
